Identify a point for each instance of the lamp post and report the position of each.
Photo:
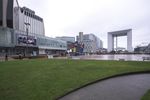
(27, 30)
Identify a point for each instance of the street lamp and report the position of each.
(27, 30)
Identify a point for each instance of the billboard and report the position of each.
(24, 40)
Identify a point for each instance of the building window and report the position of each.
(21, 10)
(27, 14)
(24, 12)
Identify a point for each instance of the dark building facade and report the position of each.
(142, 49)
(9, 16)
(1, 13)
(6, 12)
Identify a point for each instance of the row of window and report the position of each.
(38, 41)
(89, 47)
(30, 14)
(51, 43)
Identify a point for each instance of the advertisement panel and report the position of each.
(24, 40)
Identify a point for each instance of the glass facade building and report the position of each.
(14, 42)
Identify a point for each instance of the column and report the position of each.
(129, 41)
(110, 42)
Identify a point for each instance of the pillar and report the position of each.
(129, 41)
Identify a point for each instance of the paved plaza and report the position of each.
(130, 87)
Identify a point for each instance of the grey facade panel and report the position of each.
(6, 37)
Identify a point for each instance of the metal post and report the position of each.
(27, 30)
(116, 43)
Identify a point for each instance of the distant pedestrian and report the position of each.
(23, 55)
(6, 57)
(20, 56)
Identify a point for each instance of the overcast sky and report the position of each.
(69, 17)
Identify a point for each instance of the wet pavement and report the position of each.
(126, 57)
(129, 87)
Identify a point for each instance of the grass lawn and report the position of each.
(146, 96)
(48, 79)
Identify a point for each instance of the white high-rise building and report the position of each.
(91, 42)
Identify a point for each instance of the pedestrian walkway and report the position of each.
(129, 87)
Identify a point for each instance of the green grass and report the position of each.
(48, 79)
(146, 96)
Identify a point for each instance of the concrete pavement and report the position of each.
(129, 87)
